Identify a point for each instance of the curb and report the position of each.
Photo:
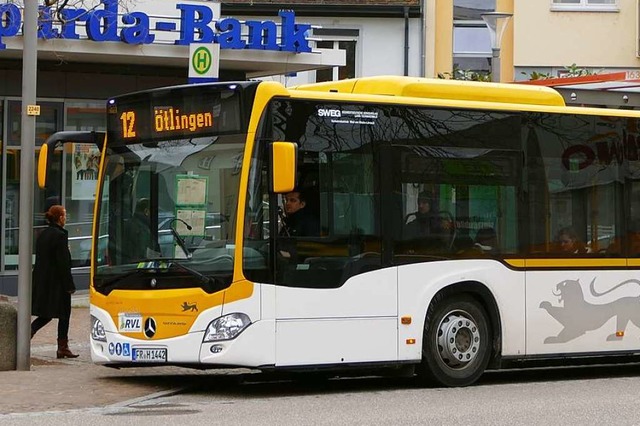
(79, 299)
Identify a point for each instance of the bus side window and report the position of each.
(339, 176)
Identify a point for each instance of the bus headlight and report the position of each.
(97, 330)
(226, 327)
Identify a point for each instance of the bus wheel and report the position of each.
(456, 342)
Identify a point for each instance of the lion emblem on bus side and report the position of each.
(192, 307)
(578, 316)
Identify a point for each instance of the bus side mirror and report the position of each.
(44, 158)
(284, 160)
(43, 163)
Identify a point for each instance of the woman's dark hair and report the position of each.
(54, 213)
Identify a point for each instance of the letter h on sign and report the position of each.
(204, 62)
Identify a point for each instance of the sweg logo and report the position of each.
(195, 20)
(329, 113)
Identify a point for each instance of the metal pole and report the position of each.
(495, 65)
(423, 37)
(406, 40)
(27, 142)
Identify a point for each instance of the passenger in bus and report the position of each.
(425, 222)
(298, 220)
(138, 232)
(120, 186)
(487, 241)
(568, 241)
(464, 244)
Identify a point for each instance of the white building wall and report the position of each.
(380, 48)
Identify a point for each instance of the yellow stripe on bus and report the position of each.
(568, 263)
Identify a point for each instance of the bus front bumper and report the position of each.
(254, 347)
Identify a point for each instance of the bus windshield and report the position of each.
(170, 200)
(169, 190)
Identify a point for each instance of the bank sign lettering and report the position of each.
(196, 25)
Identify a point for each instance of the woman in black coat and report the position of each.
(52, 281)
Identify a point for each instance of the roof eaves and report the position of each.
(564, 81)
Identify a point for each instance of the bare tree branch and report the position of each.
(58, 6)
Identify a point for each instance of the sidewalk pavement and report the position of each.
(65, 384)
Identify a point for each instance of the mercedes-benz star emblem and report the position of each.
(150, 327)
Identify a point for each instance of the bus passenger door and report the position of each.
(335, 304)
(355, 322)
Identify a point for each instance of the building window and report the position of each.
(471, 47)
(337, 39)
(472, 10)
(471, 38)
(582, 5)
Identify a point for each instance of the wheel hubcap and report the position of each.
(458, 339)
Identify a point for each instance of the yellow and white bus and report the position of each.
(508, 171)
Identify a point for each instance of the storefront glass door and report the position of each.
(48, 122)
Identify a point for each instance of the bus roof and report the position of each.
(441, 89)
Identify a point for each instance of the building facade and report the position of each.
(588, 50)
(600, 36)
(111, 47)
(457, 38)
(548, 39)
(361, 28)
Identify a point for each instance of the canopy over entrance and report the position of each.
(611, 90)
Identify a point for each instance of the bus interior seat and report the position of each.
(361, 263)
(326, 263)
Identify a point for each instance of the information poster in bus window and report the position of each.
(191, 190)
(85, 159)
(193, 217)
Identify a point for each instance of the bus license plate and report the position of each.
(149, 355)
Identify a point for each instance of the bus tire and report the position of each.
(456, 345)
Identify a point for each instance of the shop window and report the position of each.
(79, 204)
(48, 122)
(81, 176)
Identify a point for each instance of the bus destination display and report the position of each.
(167, 119)
(169, 115)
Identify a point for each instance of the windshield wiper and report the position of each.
(154, 268)
(204, 278)
(178, 238)
(110, 282)
(210, 281)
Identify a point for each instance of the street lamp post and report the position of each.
(27, 143)
(497, 23)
